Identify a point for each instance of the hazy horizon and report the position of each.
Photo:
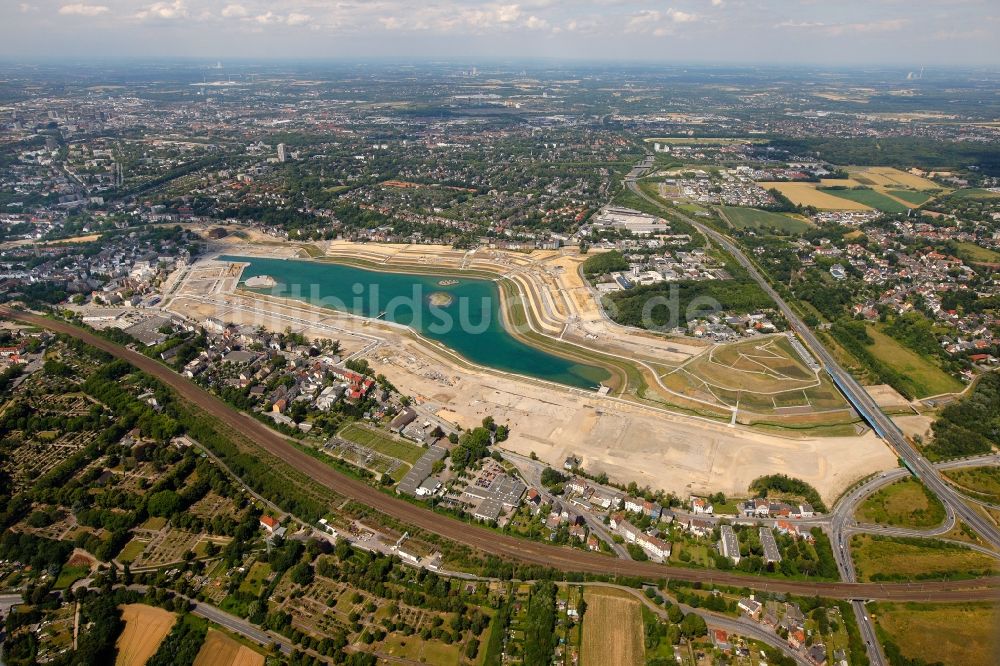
(852, 33)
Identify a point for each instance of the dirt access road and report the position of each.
(563, 559)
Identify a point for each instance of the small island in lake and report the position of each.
(441, 299)
(260, 281)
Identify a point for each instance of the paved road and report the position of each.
(842, 523)
(238, 625)
(869, 410)
(532, 470)
(8, 601)
(855, 393)
(742, 626)
(842, 519)
(564, 559)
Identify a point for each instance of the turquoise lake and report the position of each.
(464, 316)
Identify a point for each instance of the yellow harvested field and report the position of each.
(889, 177)
(221, 650)
(612, 629)
(145, 628)
(806, 194)
(841, 182)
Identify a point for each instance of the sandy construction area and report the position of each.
(886, 396)
(145, 628)
(915, 426)
(629, 441)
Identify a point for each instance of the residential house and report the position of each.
(699, 505)
(720, 639)
(751, 607)
(700, 527)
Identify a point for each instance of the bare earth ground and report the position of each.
(145, 628)
(915, 425)
(630, 442)
(886, 396)
(612, 629)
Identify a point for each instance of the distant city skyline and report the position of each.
(849, 32)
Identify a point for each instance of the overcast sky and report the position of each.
(834, 32)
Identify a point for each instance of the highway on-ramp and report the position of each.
(488, 541)
(865, 406)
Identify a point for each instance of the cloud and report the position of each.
(25, 8)
(535, 23)
(164, 11)
(838, 29)
(678, 16)
(78, 9)
(234, 11)
(657, 23)
(269, 17)
(459, 18)
(297, 19)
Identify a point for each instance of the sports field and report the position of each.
(950, 634)
(612, 629)
(384, 443)
(752, 218)
(145, 629)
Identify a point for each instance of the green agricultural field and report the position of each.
(975, 193)
(973, 252)
(924, 376)
(871, 198)
(906, 503)
(949, 634)
(983, 482)
(382, 442)
(911, 196)
(879, 558)
(743, 218)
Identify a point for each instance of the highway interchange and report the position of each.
(842, 524)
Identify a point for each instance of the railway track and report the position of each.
(487, 541)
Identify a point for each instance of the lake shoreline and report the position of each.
(503, 348)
